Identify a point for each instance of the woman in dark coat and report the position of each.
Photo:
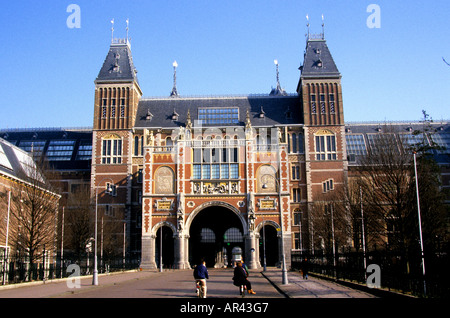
(240, 278)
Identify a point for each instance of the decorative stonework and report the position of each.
(231, 187)
(164, 181)
(266, 179)
(163, 205)
(267, 203)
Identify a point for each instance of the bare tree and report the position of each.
(78, 222)
(33, 214)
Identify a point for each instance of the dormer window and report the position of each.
(149, 115)
(175, 115)
(262, 113)
(319, 63)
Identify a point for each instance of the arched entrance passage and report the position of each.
(268, 244)
(214, 231)
(166, 245)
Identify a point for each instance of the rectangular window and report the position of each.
(112, 151)
(197, 155)
(197, 173)
(322, 104)
(297, 217)
(356, 145)
(313, 104)
(332, 108)
(84, 150)
(60, 150)
(326, 147)
(297, 241)
(296, 195)
(215, 171)
(218, 115)
(206, 171)
(328, 185)
(234, 171)
(215, 163)
(295, 169)
(224, 171)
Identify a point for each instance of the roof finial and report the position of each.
(323, 27)
(174, 92)
(112, 30)
(278, 90)
(278, 74)
(307, 25)
(128, 22)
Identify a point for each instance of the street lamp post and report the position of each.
(95, 273)
(420, 227)
(284, 278)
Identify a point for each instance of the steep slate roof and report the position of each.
(278, 110)
(318, 61)
(118, 65)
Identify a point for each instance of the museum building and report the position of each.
(212, 177)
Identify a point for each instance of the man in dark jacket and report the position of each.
(201, 275)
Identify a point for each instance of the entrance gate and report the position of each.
(214, 232)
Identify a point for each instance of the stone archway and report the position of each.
(215, 228)
(164, 243)
(269, 243)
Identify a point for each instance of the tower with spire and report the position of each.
(320, 91)
(117, 95)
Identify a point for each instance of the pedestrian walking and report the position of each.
(201, 275)
(305, 268)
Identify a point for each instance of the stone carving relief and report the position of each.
(164, 181)
(267, 179)
(215, 187)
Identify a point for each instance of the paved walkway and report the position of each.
(312, 287)
(152, 284)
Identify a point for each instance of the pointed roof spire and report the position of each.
(118, 64)
(174, 92)
(278, 90)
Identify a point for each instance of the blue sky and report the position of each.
(223, 47)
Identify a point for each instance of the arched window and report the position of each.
(233, 235)
(325, 145)
(112, 149)
(208, 236)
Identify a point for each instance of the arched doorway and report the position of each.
(268, 245)
(213, 233)
(167, 246)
